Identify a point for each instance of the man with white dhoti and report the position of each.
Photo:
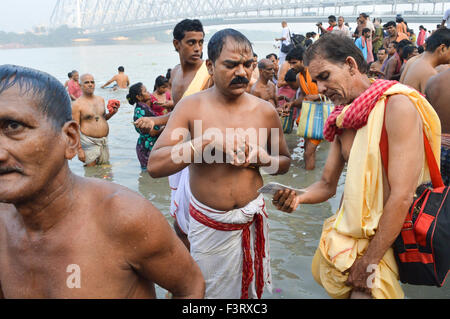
(223, 135)
(90, 113)
(188, 77)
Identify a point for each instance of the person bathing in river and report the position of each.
(90, 114)
(139, 96)
(161, 99)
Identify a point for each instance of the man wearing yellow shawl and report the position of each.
(355, 258)
(188, 77)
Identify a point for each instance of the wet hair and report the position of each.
(121, 69)
(403, 44)
(135, 90)
(48, 94)
(69, 75)
(160, 81)
(336, 47)
(272, 55)
(440, 36)
(291, 76)
(187, 25)
(389, 24)
(296, 53)
(407, 50)
(217, 41)
(365, 30)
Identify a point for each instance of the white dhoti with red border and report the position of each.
(232, 249)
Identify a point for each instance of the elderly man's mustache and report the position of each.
(240, 80)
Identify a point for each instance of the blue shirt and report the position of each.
(358, 43)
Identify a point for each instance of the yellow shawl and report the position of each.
(345, 235)
(199, 82)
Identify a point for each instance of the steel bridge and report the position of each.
(115, 17)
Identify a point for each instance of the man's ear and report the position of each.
(443, 49)
(351, 63)
(71, 133)
(209, 66)
(176, 44)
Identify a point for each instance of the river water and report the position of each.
(293, 237)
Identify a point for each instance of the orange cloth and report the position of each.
(401, 28)
(401, 36)
(308, 88)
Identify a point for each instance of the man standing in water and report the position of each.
(307, 91)
(188, 77)
(224, 157)
(121, 79)
(90, 114)
(264, 88)
(358, 239)
(64, 236)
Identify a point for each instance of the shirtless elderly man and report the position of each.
(224, 135)
(121, 79)
(357, 240)
(421, 69)
(65, 236)
(264, 88)
(90, 114)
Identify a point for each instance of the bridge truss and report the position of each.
(105, 16)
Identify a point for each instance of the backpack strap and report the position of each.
(435, 174)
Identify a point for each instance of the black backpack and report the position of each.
(296, 41)
(422, 249)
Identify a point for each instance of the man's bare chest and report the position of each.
(93, 111)
(180, 84)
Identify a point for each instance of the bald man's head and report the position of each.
(87, 84)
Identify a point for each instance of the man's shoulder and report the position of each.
(264, 107)
(99, 98)
(437, 83)
(118, 210)
(398, 106)
(175, 70)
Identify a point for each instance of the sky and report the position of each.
(22, 15)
